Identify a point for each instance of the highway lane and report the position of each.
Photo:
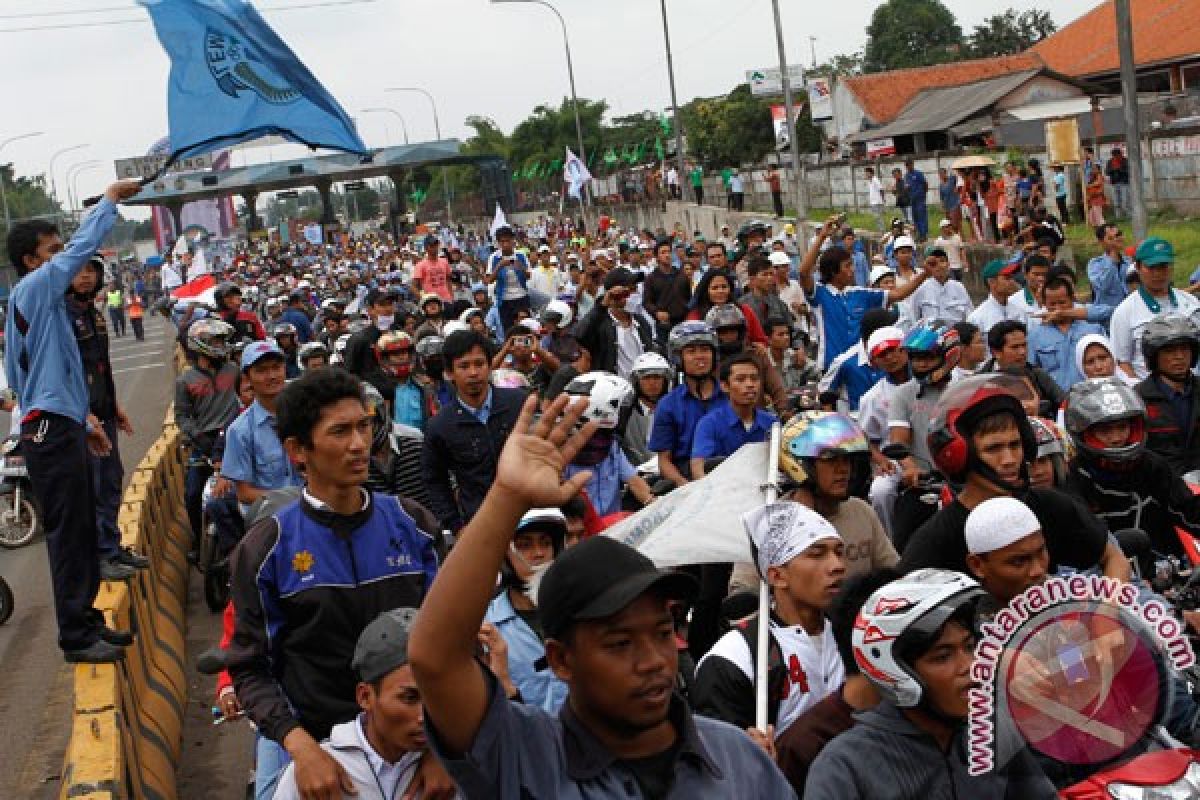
(35, 683)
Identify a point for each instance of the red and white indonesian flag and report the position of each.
(199, 290)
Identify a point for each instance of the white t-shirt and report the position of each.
(953, 245)
(814, 667)
(1130, 318)
(874, 191)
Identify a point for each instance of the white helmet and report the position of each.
(339, 350)
(557, 313)
(610, 398)
(911, 609)
(454, 326)
(650, 364)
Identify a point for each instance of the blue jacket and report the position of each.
(305, 583)
(540, 688)
(42, 361)
(301, 321)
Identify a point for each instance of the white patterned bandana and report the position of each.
(781, 531)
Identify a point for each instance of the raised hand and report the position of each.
(533, 459)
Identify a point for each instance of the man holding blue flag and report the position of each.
(43, 366)
(233, 79)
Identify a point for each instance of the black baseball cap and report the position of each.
(621, 277)
(598, 578)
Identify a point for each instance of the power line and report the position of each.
(111, 22)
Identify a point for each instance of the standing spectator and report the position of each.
(944, 297)
(737, 191)
(673, 187)
(44, 368)
(116, 308)
(307, 581)
(726, 176)
(666, 292)
(903, 198)
(1106, 272)
(615, 337)
(1095, 198)
(1117, 171)
(697, 179)
(116, 562)
(775, 183)
(918, 189)
(875, 196)
(137, 313)
(950, 240)
(465, 438)
(432, 273)
(951, 201)
(1060, 192)
(1154, 297)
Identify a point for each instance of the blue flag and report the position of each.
(233, 79)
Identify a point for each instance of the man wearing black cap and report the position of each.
(613, 336)
(606, 612)
(380, 305)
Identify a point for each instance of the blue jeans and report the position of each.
(920, 218)
(270, 760)
(107, 475)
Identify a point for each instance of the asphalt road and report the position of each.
(35, 687)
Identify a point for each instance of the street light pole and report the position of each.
(393, 112)
(75, 179)
(437, 129)
(70, 174)
(53, 183)
(681, 166)
(1133, 132)
(790, 111)
(570, 71)
(3, 192)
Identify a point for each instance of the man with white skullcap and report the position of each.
(801, 556)
(1006, 551)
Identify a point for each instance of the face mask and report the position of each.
(384, 322)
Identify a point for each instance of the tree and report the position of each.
(1009, 33)
(841, 65)
(911, 33)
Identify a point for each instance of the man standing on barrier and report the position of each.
(43, 365)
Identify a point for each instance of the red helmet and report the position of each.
(961, 408)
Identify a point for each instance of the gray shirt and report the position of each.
(525, 752)
(912, 408)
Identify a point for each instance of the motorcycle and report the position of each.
(7, 602)
(20, 517)
(213, 560)
(917, 503)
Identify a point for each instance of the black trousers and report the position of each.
(56, 454)
(699, 190)
(1062, 209)
(777, 199)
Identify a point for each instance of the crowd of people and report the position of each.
(412, 447)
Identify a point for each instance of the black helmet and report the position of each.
(1166, 330)
(1097, 401)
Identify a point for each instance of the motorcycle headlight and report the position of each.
(1186, 787)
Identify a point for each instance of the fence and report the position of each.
(127, 722)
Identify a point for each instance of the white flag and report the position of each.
(498, 222)
(575, 174)
(700, 523)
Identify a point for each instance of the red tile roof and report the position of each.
(1163, 30)
(883, 95)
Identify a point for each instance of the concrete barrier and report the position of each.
(127, 722)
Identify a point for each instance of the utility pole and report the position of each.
(812, 43)
(798, 188)
(1133, 125)
(681, 165)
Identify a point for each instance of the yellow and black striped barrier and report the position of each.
(127, 723)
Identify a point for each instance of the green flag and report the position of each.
(658, 149)
(611, 157)
(665, 124)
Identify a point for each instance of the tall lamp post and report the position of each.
(53, 158)
(393, 112)
(798, 180)
(682, 167)
(570, 70)
(437, 129)
(4, 194)
(70, 184)
(82, 169)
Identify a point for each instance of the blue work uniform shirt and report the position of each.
(675, 420)
(539, 688)
(1054, 351)
(721, 432)
(254, 454)
(604, 487)
(1108, 283)
(839, 314)
(41, 359)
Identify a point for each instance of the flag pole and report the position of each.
(770, 495)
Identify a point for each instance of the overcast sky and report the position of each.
(106, 86)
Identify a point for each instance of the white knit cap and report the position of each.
(997, 523)
(781, 531)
